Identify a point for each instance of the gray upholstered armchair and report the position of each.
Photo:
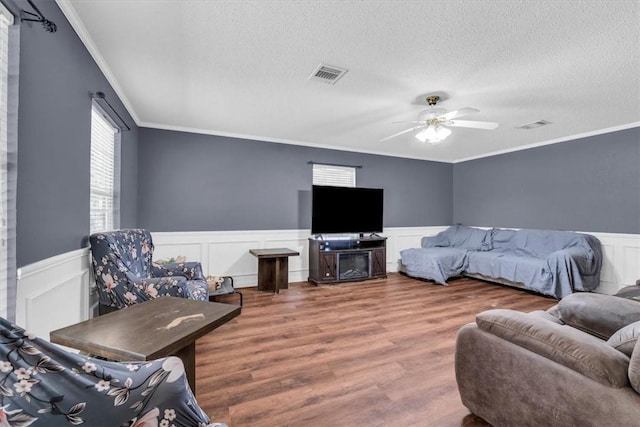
(576, 364)
(125, 273)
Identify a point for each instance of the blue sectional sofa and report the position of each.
(554, 263)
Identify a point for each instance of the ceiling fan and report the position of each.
(434, 122)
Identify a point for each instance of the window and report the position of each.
(105, 172)
(7, 170)
(338, 176)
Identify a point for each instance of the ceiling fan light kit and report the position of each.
(433, 134)
(433, 124)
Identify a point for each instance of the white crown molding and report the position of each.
(552, 141)
(278, 141)
(70, 13)
(379, 153)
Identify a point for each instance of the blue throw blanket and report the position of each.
(551, 262)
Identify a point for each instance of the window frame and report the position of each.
(100, 118)
(334, 175)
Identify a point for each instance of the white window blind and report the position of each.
(6, 19)
(105, 173)
(337, 176)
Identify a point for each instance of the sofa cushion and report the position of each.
(538, 243)
(546, 315)
(502, 238)
(440, 240)
(505, 265)
(554, 311)
(438, 264)
(563, 344)
(471, 238)
(624, 339)
(461, 236)
(598, 314)
(634, 368)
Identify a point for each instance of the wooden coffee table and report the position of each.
(273, 268)
(153, 329)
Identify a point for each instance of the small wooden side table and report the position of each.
(273, 268)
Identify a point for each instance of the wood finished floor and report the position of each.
(374, 353)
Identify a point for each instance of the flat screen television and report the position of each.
(346, 210)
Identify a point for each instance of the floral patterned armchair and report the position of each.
(126, 275)
(43, 384)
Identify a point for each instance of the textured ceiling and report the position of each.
(241, 68)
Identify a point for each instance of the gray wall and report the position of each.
(189, 182)
(192, 182)
(56, 75)
(588, 184)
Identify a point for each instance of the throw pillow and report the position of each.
(624, 339)
(597, 314)
(215, 282)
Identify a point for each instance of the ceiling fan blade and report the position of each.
(400, 133)
(472, 124)
(458, 113)
(411, 121)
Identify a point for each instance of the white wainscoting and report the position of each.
(55, 292)
(621, 261)
(226, 253)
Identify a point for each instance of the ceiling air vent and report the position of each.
(328, 74)
(534, 125)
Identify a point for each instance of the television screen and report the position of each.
(346, 210)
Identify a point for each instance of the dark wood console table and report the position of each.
(149, 330)
(273, 268)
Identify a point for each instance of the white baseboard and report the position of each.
(54, 292)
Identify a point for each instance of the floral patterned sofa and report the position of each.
(125, 274)
(43, 384)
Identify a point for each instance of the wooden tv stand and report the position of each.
(334, 261)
